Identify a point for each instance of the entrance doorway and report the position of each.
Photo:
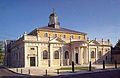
(32, 61)
(76, 58)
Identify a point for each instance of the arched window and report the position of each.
(66, 55)
(99, 54)
(45, 54)
(64, 36)
(78, 37)
(46, 34)
(56, 55)
(92, 54)
(72, 37)
(55, 35)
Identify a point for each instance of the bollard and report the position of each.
(46, 72)
(58, 71)
(72, 66)
(28, 71)
(103, 65)
(21, 71)
(90, 66)
(115, 64)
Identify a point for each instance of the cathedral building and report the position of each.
(52, 45)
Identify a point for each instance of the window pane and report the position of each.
(55, 35)
(32, 48)
(56, 55)
(78, 37)
(72, 37)
(92, 54)
(64, 36)
(45, 54)
(46, 34)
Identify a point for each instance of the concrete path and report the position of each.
(92, 74)
(5, 72)
(108, 73)
(52, 71)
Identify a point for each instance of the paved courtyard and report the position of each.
(108, 73)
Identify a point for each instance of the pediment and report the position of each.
(57, 40)
(93, 42)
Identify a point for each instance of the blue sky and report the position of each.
(98, 18)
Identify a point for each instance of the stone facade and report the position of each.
(53, 46)
(99, 51)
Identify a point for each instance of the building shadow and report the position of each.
(106, 57)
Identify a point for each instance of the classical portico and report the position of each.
(80, 52)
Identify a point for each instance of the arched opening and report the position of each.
(45, 54)
(66, 55)
(66, 61)
(76, 58)
(56, 55)
(92, 54)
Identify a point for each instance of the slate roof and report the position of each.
(60, 30)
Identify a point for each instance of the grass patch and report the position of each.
(76, 68)
(109, 64)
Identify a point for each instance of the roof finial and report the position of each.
(53, 10)
(53, 20)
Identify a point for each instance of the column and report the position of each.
(79, 59)
(88, 52)
(51, 54)
(62, 56)
(73, 52)
(96, 55)
(39, 55)
(26, 63)
(87, 55)
(81, 53)
(84, 55)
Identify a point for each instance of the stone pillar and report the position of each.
(96, 58)
(81, 55)
(51, 55)
(26, 63)
(89, 54)
(73, 55)
(39, 55)
(72, 51)
(86, 55)
(36, 57)
(62, 56)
